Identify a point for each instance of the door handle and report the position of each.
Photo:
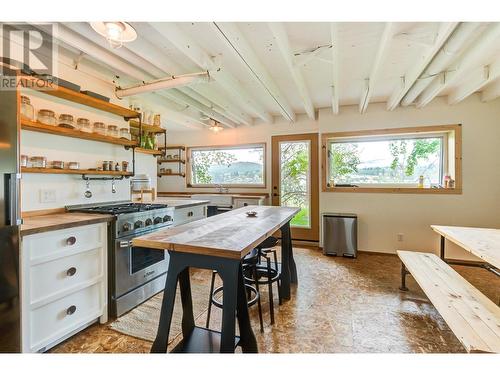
(12, 189)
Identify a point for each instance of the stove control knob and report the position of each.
(149, 222)
(167, 218)
(126, 227)
(138, 224)
(157, 220)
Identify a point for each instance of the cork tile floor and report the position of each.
(340, 306)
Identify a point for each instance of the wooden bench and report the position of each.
(472, 317)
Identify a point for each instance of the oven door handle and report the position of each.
(125, 243)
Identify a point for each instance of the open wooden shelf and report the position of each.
(173, 147)
(148, 151)
(148, 128)
(78, 97)
(171, 174)
(182, 161)
(73, 171)
(56, 130)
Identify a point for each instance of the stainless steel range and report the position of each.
(135, 274)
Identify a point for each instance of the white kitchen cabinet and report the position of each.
(239, 202)
(184, 215)
(63, 284)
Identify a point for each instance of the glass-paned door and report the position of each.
(295, 181)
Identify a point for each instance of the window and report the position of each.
(411, 158)
(241, 165)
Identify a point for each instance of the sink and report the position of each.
(215, 199)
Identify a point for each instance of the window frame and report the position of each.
(189, 171)
(451, 157)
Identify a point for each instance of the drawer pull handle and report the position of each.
(71, 310)
(71, 271)
(71, 241)
(190, 213)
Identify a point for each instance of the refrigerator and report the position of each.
(10, 219)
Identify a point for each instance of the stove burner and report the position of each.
(123, 208)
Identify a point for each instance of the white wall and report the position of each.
(383, 216)
(70, 188)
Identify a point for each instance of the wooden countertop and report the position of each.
(45, 223)
(228, 235)
(481, 242)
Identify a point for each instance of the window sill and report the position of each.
(396, 190)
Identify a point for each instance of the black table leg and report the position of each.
(441, 248)
(286, 245)
(248, 341)
(167, 308)
(234, 302)
(187, 303)
(293, 266)
(229, 276)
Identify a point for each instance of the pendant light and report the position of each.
(215, 126)
(116, 33)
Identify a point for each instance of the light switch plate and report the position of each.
(47, 196)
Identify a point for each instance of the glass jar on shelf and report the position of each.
(66, 121)
(124, 133)
(27, 109)
(47, 117)
(99, 128)
(84, 125)
(37, 162)
(113, 131)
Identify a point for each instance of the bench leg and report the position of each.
(404, 272)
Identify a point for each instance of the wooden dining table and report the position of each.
(218, 243)
(484, 243)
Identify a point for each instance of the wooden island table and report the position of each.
(218, 243)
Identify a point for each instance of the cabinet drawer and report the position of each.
(52, 277)
(64, 242)
(51, 321)
(187, 214)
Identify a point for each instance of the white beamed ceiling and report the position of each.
(358, 46)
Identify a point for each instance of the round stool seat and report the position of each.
(251, 258)
(268, 243)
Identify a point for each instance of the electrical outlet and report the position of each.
(47, 196)
(400, 237)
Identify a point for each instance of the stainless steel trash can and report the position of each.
(340, 234)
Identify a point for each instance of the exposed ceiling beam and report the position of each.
(79, 36)
(445, 30)
(334, 30)
(205, 94)
(281, 37)
(491, 92)
(479, 79)
(231, 34)
(185, 44)
(483, 47)
(448, 52)
(383, 48)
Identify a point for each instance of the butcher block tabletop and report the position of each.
(482, 242)
(230, 235)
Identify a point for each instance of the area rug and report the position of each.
(142, 322)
